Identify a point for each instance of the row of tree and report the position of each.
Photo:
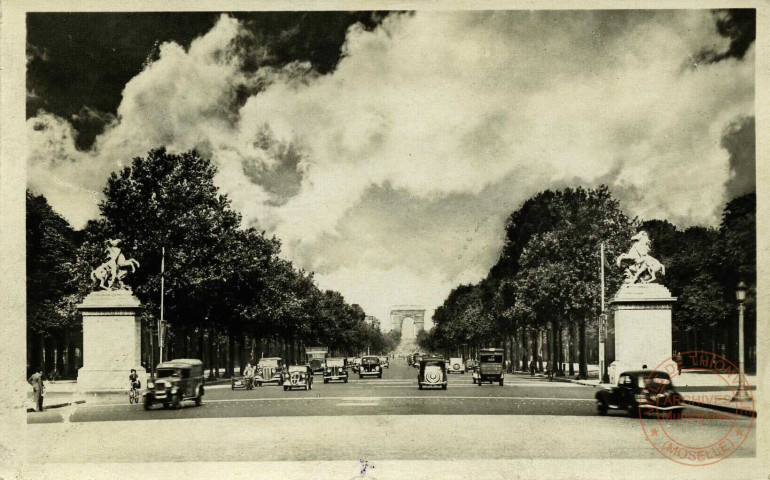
(543, 296)
(229, 296)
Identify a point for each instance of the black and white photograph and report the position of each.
(402, 242)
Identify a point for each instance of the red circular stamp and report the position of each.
(708, 420)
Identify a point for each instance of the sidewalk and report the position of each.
(64, 393)
(698, 387)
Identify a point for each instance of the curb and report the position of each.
(56, 405)
(720, 408)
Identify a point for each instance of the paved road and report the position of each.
(395, 394)
(386, 418)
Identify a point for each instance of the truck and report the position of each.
(490, 367)
(316, 358)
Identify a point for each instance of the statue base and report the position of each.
(111, 341)
(642, 314)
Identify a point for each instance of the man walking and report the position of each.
(36, 380)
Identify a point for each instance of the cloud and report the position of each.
(391, 175)
(740, 141)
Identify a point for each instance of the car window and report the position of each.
(167, 372)
(624, 380)
(492, 358)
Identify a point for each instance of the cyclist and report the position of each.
(134, 379)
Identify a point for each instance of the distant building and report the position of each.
(374, 321)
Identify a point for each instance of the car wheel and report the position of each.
(198, 400)
(326, 380)
(501, 382)
(259, 384)
(176, 401)
(635, 412)
(419, 386)
(346, 379)
(360, 376)
(165, 404)
(379, 376)
(232, 387)
(478, 382)
(602, 408)
(443, 387)
(147, 403)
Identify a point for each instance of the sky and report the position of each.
(386, 150)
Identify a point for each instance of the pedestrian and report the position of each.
(532, 367)
(38, 388)
(549, 370)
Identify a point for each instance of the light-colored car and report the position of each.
(269, 371)
(456, 365)
(298, 376)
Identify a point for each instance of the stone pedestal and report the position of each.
(111, 341)
(642, 314)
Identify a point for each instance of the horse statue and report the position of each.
(645, 267)
(111, 273)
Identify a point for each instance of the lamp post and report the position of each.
(741, 395)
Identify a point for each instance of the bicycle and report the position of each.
(133, 394)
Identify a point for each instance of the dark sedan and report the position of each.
(639, 392)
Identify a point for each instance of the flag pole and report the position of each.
(162, 288)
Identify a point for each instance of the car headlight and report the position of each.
(150, 385)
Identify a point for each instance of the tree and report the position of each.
(51, 287)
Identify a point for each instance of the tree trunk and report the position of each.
(552, 344)
(202, 344)
(560, 350)
(540, 350)
(72, 366)
(230, 368)
(572, 345)
(60, 352)
(582, 357)
(211, 360)
(241, 354)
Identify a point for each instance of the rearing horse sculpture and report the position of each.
(111, 273)
(645, 267)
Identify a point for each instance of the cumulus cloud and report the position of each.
(392, 175)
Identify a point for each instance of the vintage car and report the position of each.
(384, 362)
(316, 357)
(490, 367)
(336, 369)
(243, 382)
(432, 373)
(639, 392)
(370, 366)
(456, 365)
(175, 381)
(471, 365)
(355, 364)
(298, 376)
(269, 371)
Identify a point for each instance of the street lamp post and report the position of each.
(741, 395)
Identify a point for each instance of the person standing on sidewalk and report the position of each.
(532, 366)
(36, 380)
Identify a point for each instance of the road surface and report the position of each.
(386, 418)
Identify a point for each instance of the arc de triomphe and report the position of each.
(401, 312)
